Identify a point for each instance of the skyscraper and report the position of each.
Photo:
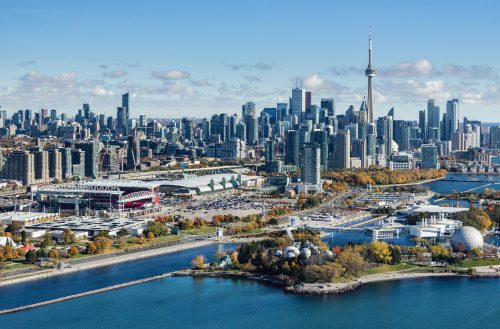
(292, 147)
(429, 156)
(125, 106)
(451, 118)
(370, 73)
(329, 104)
(432, 119)
(310, 164)
(298, 103)
(343, 150)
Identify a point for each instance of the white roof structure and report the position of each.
(438, 209)
(201, 181)
(123, 183)
(4, 241)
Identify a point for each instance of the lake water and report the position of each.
(455, 182)
(226, 303)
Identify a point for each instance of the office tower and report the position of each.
(495, 137)
(329, 104)
(248, 109)
(422, 124)
(371, 145)
(142, 121)
(429, 156)
(314, 114)
(281, 111)
(320, 138)
(452, 116)
(385, 133)
(231, 127)
(252, 129)
(272, 113)
(370, 73)
(86, 111)
(91, 164)
(343, 150)
(53, 115)
(292, 147)
(308, 95)
(269, 151)
(121, 120)
(133, 152)
(359, 151)
(457, 141)
(310, 164)
(187, 129)
(126, 106)
(298, 103)
(241, 131)
(432, 120)
(205, 126)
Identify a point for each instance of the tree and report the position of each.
(199, 262)
(91, 248)
(395, 254)
(380, 252)
(155, 227)
(103, 244)
(234, 258)
(150, 236)
(30, 257)
(439, 253)
(122, 232)
(352, 261)
(73, 251)
(67, 236)
(103, 234)
(273, 221)
(47, 241)
(53, 253)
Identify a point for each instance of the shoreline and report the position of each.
(340, 287)
(299, 288)
(105, 262)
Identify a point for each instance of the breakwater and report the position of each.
(83, 294)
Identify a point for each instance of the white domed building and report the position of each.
(467, 238)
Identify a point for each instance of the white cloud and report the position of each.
(170, 75)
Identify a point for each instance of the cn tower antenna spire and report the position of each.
(370, 73)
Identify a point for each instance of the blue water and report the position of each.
(456, 182)
(58, 286)
(224, 303)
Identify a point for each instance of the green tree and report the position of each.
(47, 241)
(67, 236)
(30, 257)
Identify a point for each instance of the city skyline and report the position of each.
(57, 69)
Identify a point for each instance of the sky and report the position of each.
(196, 58)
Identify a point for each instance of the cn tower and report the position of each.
(370, 73)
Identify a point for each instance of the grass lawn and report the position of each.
(198, 231)
(389, 268)
(479, 262)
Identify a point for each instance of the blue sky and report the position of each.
(195, 58)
